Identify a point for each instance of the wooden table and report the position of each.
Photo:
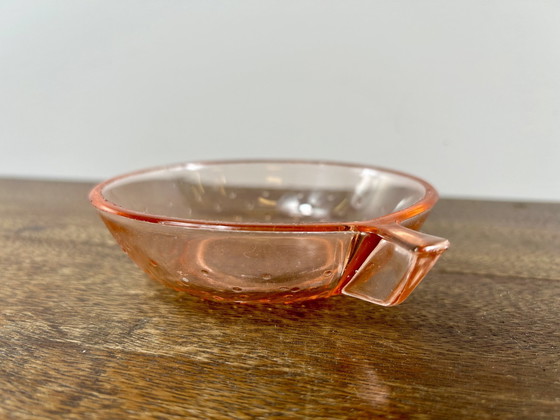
(84, 334)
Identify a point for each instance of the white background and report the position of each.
(463, 93)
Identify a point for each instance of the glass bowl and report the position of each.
(274, 231)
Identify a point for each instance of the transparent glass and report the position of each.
(274, 231)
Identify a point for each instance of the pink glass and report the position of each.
(274, 231)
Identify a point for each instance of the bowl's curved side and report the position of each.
(237, 266)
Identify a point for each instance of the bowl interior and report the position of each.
(265, 192)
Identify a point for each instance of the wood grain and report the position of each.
(84, 334)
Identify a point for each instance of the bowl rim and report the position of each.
(421, 206)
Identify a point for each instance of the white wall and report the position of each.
(465, 93)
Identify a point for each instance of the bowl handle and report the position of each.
(395, 266)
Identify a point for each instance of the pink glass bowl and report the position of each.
(274, 231)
